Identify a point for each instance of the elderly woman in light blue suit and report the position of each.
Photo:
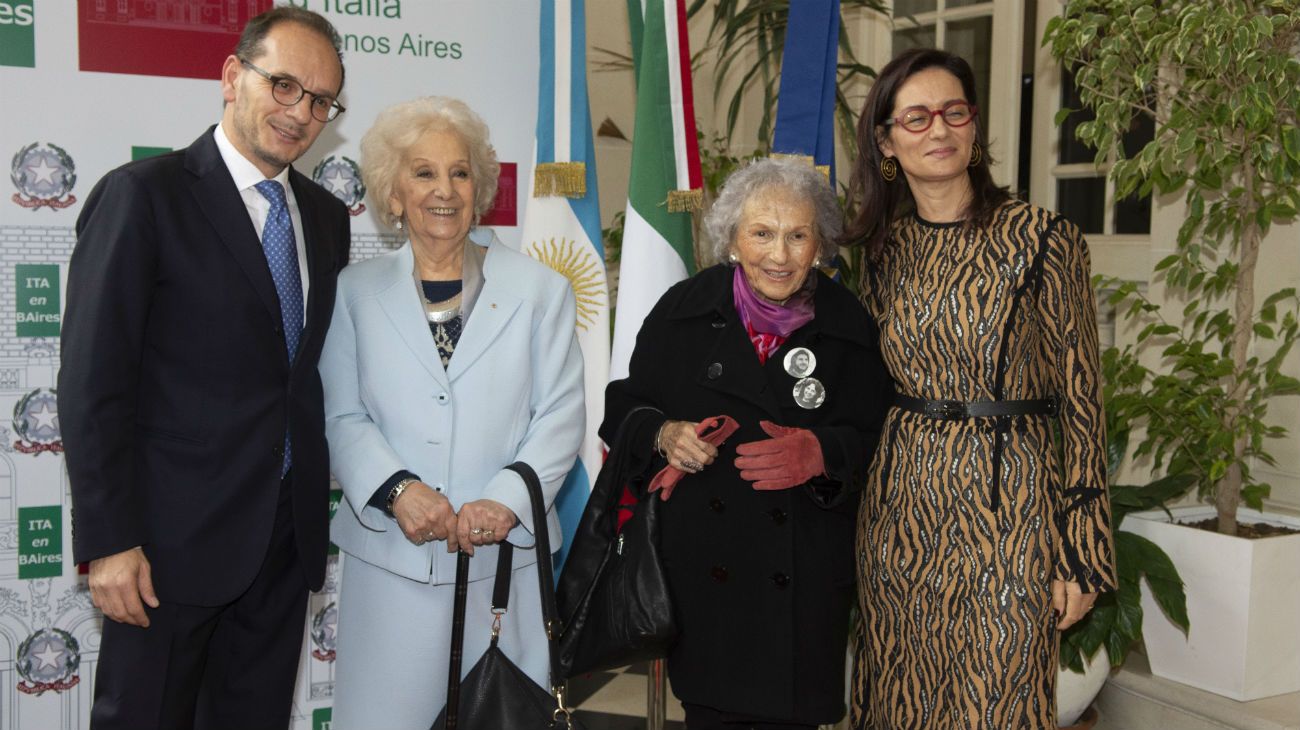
(447, 360)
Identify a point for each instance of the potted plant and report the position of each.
(1222, 82)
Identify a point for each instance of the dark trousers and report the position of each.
(210, 667)
(699, 717)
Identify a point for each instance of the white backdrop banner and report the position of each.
(88, 85)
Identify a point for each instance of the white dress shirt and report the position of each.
(247, 176)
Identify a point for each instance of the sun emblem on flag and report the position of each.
(580, 266)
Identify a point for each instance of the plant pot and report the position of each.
(1085, 722)
(1241, 603)
(1075, 692)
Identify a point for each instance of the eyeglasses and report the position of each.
(289, 92)
(917, 119)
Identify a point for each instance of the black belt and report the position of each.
(955, 410)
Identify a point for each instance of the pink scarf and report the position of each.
(769, 325)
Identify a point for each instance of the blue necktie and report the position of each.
(282, 258)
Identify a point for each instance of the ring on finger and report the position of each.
(692, 465)
(428, 536)
(488, 533)
(476, 531)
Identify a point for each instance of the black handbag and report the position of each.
(613, 592)
(496, 694)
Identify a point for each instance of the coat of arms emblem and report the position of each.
(36, 422)
(44, 175)
(48, 660)
(342, 177)
(324, 632)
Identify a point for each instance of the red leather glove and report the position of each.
(713, 431)
(790, 458)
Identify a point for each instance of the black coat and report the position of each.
(175, 388)
(762, 581)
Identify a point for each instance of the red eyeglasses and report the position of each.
(917, 119)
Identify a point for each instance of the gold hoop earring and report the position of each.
(976, 154)
(889, 169)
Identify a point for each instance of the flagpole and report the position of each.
(656, 696)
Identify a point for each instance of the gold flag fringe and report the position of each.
(807, 159)
(685, 201)
(825, 170)
(560, 178)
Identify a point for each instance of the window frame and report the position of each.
(1113, 254)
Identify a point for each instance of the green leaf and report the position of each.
(1291, 142)
(1091, 632)
(1128, 615)
(1262, 26)
(1253, 495)
(1279, 295)
(1219, 467)
(1162, 577)
(1164, 490)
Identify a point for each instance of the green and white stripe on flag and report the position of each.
(665, 185)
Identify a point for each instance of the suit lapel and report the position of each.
(221, 205)
(319, 263)
(401, 304)
(494, 308)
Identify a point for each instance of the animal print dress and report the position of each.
(965, 523)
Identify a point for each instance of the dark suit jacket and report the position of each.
(761, 582)
(175, 388)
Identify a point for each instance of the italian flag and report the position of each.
(658, 247)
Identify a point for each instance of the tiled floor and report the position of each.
(616, 700)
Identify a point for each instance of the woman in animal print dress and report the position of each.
(978, 542)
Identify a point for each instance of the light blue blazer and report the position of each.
(511, 392)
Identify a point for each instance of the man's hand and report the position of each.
(118, 584)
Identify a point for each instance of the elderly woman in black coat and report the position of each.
(758, 533)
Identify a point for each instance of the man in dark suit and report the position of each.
(199, 293)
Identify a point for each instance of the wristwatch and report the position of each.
(396, 492)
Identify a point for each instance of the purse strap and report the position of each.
(545, 574)
(457, 641)
(501, 598)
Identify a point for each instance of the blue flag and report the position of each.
(805, 110)
(562, 226)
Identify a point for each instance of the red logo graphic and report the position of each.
(185, 38)
(504, 207)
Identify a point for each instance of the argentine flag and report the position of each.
(562, 225)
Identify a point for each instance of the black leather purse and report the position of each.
(613, 592)
(496, 694)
